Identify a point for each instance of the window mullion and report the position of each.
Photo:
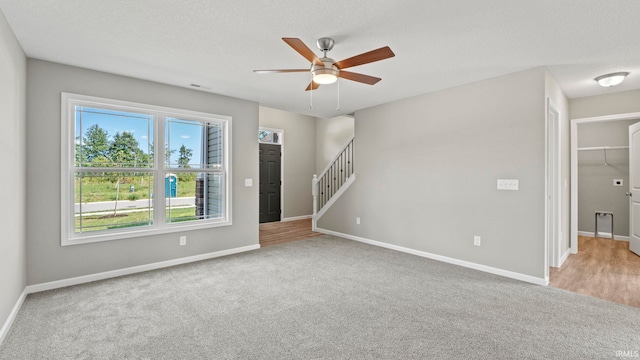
(159, 201)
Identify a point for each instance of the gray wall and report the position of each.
(299, 157)
(610, 104)
(331, 135)
(427, 168)
(595, 180)
(47, 260)
(13, 79)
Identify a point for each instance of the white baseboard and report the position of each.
(294, 218)
(564, 257)
(467, 264)
(604, 235)
(12, 316)
(132, 270)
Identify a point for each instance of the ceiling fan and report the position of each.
(326, 70)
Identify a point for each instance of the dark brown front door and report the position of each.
(270, 160)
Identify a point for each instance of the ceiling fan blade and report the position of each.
(365, 58)
(365, 79)
(280, 71)
(303, 50)
(312, 86)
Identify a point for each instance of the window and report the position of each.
(269, 136)
(133, 169)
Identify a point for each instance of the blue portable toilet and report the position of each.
(170, 185)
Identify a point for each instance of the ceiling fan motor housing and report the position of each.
(325, 44)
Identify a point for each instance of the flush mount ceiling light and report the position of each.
(612, 79)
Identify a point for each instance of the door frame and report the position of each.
(281, 143)
(553, 210)
(634, 239)
(574, 166)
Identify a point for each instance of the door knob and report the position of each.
(628, 194)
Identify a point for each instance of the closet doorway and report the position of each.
(601, 266)
(600, 177)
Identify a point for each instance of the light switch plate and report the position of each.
(248, 182)
(507, 184)
(618, 182)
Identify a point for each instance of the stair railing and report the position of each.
(335, 175)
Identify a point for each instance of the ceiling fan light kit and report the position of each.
(326, 70)
(324, 75)
(612, 79)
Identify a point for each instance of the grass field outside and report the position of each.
(123, 219)
(129, 188)
(133, 188)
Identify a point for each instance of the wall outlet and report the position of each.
(476, 240)
(357, 221)
(183, 240)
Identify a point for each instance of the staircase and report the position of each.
(333, 181)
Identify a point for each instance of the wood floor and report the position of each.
(602, 268)
(282, 232)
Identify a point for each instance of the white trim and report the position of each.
(467, 264)
(294, 218)
(134, 269)
(617, 117)
(604, 235)
(601, 148)
(336, 196)
(12, 316)
(574, 167)
(564, 257)
(573, 174)
(553, 188)
(548, 259)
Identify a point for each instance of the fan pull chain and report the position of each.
(311, 93)
(338, 108)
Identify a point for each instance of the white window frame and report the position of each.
(160, 226)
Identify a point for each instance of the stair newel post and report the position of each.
(314, 193)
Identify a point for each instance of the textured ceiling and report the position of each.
(438, 43)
